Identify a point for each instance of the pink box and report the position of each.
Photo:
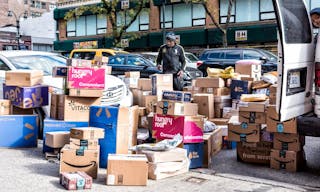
(167, 126)
(86, 78)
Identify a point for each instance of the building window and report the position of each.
(86, 26)
(247, 10)
(183, 15)
(43, 5)
(140, 24)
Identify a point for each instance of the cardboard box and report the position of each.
(51, 125)
(195, 154)
(220, 121)
(253, 106)
(174, 108)
(163, 170)
(108, 70)
(20, 111)
(86, 78)
(288, 160)
(243, 131)
(86, 144)
(87, 133)
(81, 63)
(72, 160)
(176, 154)
(160, 83)
(212, 145)
(127, 170)
(120, 125)
(144, 84)
(59, 71)
(258, 153)
(24, 78)
(132, 74)
(167, 126)
(209, 82)
(274, 125)
(26, 97)
(239, 87)
(178, 96)
(149, 101)
(249, 67)
(56, 100)
(5, 107)
(86, 92)
(75, 181)
(252, 117)
(18, 131)
(131, 78)
(76, 108)
(57, 139)
(193, 90)
(289, 142)
(142, 111)
(205, 104)
(221, 91)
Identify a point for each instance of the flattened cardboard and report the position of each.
(57, 139)
(72, 160)
(87, 133)
(85, 92)
(252, 117)
(127, 170)
(175, 108)
(212, 146)
(24, 78)
(288, 160)
(205, 104)
(209, 82)
(289, 142)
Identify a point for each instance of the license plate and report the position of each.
(294, 80)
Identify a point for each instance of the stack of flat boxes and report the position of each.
(175, 114)
(82, 154)
(22, 90)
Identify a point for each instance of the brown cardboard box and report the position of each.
(253, 70)
(90, 144)
(253, 106)
(135, 96)
(149, 102)
(85, 92)
(273, 94)
(274, 125)
(160, 90)
(19, 111)
(176, 154)
(289, 160)
(220, 121)
(222, 91)
(212, 145)
(175, 108)
(131, 78)
(141, 97)
(142, 111)
(287, 141)
(243, 131)
(24, 78)
(161, 82)
(208, 82)
(254, 152)
(252, 117)
(205, 104)
(57, 139)
(132, 74)
(128, 170)
(133, 120)
(72, 160)
(72, 181)
(76, 108)
(144, 84)
(168, 169)
(5, 107)
(54, 106)
(87, 133)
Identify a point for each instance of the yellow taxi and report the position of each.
(90, 54)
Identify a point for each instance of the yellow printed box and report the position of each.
(18, 131)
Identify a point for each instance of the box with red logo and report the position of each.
(167, 126)
(86, 78)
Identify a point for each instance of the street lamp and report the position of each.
(23, 15)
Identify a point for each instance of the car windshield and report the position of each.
(191, 57)
(38, 62)
(271, 56)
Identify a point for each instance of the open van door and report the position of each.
(296, 59)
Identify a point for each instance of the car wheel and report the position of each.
(39, 111)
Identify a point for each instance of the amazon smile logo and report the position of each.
(91, 164)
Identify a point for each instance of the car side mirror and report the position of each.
(264, 59)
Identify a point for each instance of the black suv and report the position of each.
(225, 57)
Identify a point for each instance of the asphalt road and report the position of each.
(27, 170)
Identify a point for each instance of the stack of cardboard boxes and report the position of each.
(82, 154)
(23, 91)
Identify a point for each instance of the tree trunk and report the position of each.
(224, 39)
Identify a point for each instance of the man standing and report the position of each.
(172, 60)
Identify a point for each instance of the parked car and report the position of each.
(225, 57)
(89, 54)
(134, 62)
(115, 91)
(191, 59)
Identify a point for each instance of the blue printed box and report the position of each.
(60, 71)
(239, 87)
(176, 96)
(52, 125)
(26, 97)
(18, 131)
(105, 117)
(195, 154)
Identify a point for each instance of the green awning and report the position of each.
(67, 45)
(193, 37)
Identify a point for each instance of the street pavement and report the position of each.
(27, 170)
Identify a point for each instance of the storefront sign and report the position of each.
(241, 35)
(85, 45)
